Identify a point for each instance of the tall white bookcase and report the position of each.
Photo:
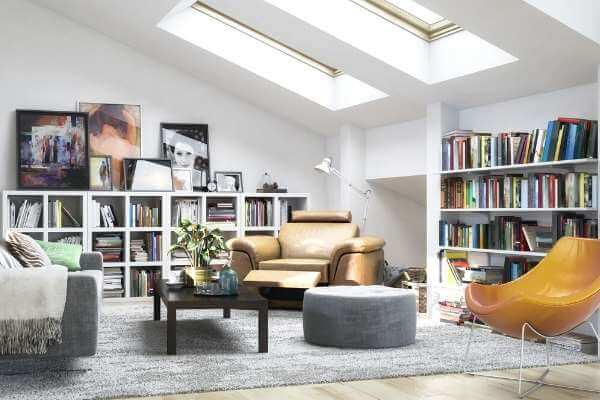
(80, 205)
(441, 119)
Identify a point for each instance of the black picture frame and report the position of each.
(129, 170)
(50, 175)
(237, 175)
(108, 160)
(194, 137)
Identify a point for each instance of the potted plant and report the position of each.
(201, 245)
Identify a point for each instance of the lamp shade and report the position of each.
(324, 166)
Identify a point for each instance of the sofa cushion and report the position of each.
(298, 264)
(26, 250)
(63, 254)
(7, 260)
(313, 239)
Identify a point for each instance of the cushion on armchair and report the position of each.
(298, 264)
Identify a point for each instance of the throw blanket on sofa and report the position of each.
(32, 301)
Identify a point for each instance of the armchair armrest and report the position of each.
(257, 248)
(364, 244)
(91, 261)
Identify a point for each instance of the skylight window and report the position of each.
(268, 58)
(411, 16)
(402, 34)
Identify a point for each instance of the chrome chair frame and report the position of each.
(540, 381)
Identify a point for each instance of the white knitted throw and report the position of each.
(32, 302)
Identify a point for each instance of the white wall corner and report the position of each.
(441, 118)
(352, 166)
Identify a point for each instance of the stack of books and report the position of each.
(147, 249)
(103, 215)
(111, 247)
(454, 312)
(564, 139)
(56, 210)
(221, 213)
(113, 282)
(143, 216)
(137, 250)
(28, 215)
(185, 209)
(143, 282)
(576, 189)
(259, 212)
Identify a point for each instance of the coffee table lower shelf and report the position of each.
(184, 299)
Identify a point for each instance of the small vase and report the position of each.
(229, 280)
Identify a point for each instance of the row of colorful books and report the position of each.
(513, 233)
(259, 212)
(564, 139)
(141, 215)
(143, 282)
(574, 189)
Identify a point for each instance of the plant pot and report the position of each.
(197, 277)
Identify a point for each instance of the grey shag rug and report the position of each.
(217, 354)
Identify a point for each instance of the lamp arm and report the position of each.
(365, 193)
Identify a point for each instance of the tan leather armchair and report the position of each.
(323, 241)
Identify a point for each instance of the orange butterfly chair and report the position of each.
(554, 298)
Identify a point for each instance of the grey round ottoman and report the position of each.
(365, 317)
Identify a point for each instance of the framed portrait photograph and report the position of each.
(187, 146)
(148, 175)
(114, 130)
(53, 150)
(229, 181)
(100, 173)
(182, 180)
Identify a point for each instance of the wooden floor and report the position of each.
(434, 387)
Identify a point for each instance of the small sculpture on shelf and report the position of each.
(268, 186)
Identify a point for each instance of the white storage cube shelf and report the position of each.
(81, 204)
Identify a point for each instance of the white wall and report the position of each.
(395, 150)
(527, 113)
(49, 62)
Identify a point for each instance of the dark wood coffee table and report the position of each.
(184, 299)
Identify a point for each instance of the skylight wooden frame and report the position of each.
(269, 41)
(409, 22)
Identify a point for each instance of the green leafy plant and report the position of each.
(200, 243)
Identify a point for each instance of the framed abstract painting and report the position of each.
(53, 150)
(114, 130)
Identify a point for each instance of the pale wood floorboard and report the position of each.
(433, 387)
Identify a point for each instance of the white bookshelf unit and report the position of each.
(442, 119)
(83, 206)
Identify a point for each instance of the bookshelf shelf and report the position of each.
(85, 207)
(530, 166)
(495, 251)
(517, 210)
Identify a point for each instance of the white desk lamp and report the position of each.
(326, 167)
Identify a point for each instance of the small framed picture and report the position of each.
(148, 175)
(101, 173)
(182, 180)
(229, 181)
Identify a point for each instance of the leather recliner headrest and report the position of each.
(321, 216)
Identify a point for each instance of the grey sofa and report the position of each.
(82, 311)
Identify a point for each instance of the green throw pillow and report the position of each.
(63, 254)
